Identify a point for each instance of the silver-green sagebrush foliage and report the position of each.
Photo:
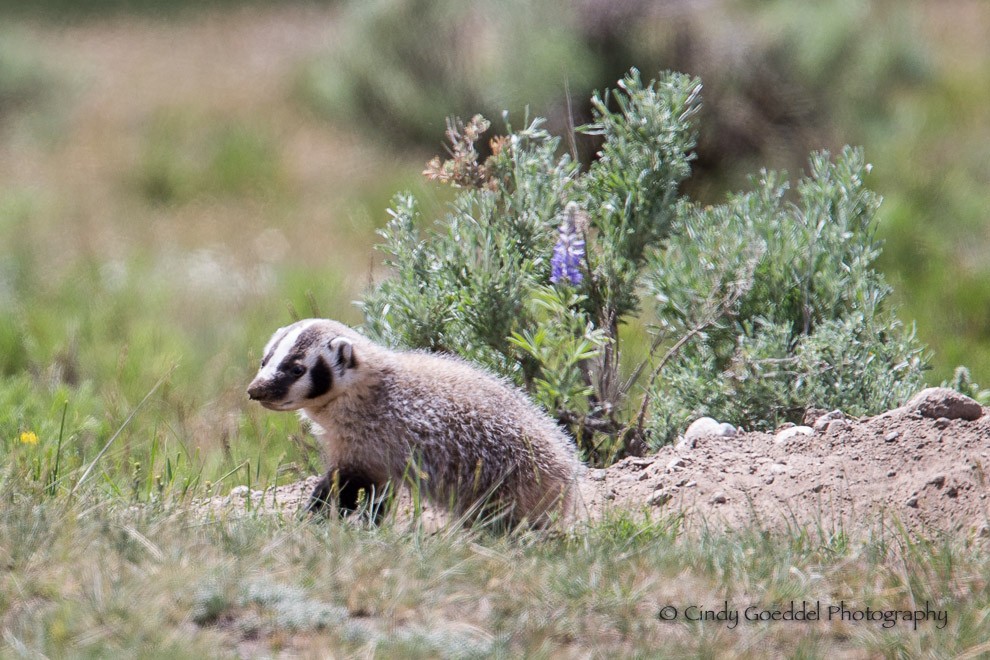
(792, 309)
(757, 308)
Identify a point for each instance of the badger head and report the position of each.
(305, 365)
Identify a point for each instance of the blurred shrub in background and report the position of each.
(767, 305)
(24, 80)
(185, 159)
(399, 66)
(776, 74)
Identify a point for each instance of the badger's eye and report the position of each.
(297, 370)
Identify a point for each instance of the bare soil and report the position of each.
(903, 467)
(929, 474)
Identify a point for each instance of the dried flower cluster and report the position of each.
(462, 169)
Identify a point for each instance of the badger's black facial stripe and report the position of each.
(321, 379)
(274, 344)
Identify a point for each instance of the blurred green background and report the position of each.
(178, 179)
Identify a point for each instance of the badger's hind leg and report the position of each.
(347, 492)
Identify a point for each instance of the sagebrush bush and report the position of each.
(766, 305)
(791, 309)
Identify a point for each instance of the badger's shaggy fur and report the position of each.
(472, 443)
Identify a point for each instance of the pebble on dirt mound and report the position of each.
(936, 402)
(704, 426)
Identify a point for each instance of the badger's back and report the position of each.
(476, 436)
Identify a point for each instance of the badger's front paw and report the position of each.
(346, 493)
(322, 496)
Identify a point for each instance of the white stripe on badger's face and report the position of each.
(282, 348)
(277, 386)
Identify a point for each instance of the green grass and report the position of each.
(91, 575)
(185, 159)
(88, 338)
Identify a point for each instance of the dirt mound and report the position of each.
(907, 465)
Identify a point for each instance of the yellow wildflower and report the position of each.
(29, 438)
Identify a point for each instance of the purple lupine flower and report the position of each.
(569, 250)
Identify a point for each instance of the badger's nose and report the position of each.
(254, 391)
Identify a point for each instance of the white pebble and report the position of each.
(701, 427)
(786, 434)
(706, 426)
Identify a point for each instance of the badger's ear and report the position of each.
(342, 352)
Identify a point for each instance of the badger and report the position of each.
(471, 442)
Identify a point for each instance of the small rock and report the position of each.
(691, 484)
(239, 491)
(791, 432)
(701, 427)
(824, 421)
(644, 475)
(912, 502)
(768, 480)
(596, 475)
(778, 468)
(706, 426)
(952, 492)
(817, 488)
(984, 530)
(935, 402)
(659, 498)
(837, 426)
(892, 473)
(811, 415)
(676, 464)
(938, 481)
(684, 444)
(892, 436)
(942, 422)
(719, 498)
